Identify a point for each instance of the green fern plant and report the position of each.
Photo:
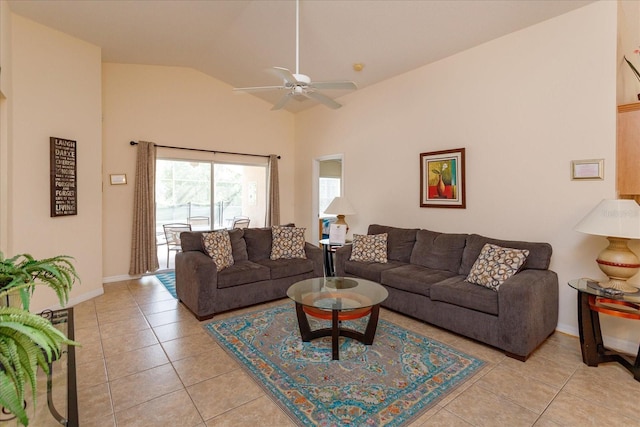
(27, 340)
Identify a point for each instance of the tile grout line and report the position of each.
(184, 386)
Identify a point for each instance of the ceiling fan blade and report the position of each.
(284, 74)
(336, 85)
(323, 99)
(257, 88)
(282, 102)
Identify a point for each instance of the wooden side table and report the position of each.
(591, 302)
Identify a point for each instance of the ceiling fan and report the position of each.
(299, 86)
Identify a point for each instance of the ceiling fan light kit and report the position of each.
(299, 86)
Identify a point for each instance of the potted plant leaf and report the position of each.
(27, 340)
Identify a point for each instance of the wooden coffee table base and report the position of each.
(335, 331)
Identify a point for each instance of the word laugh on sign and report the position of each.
(64, 185)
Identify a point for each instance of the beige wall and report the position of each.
(523, 106)
(55, 92)
(185, 108)
(5, 120)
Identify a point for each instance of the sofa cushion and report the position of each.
(369, 248)
(538, 259)
(258, 242)
(217, 245)
(400, 241)
(458, 291)
(287, 267)
(238, 245)
(287, 242)
(496, 264)
(440, 251)
(369, 270)
(413, 278)
(242, 272)
(192, 241)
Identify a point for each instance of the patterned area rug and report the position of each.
(168, 279)
(388, 383)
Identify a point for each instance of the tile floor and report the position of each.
(146, 361)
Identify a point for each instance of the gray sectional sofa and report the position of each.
(425, 277)
(252, 279)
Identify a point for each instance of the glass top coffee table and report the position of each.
(337, 299)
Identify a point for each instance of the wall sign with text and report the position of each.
(64, 183)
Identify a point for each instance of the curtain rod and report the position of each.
(207, 151)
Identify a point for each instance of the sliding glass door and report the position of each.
(240, 191)
(185, 190)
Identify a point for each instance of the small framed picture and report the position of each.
(442, 180)
(118, 179)
(587, 169)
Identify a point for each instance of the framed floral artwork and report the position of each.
(442, 179)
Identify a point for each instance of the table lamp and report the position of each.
(340, 206)
(618, 220)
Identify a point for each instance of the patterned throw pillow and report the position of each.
(369, 248)
(496, 264)
(287, 242)
(218, 245)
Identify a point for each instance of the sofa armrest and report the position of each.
(528, 310)
(342, 256)
(196, 282)
(314, 253)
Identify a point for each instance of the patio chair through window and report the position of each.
(240, 222)
(197, 221)
(172, 234)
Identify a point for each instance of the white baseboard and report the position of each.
(87, 296)
(124, 277)
(617, 344)
(80, 298)
(120, 278)
(568, 329)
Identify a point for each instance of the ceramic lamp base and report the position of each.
(341, 220)
(619, 264)
(621, 285)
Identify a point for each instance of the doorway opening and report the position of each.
(328, 182)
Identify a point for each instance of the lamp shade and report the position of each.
(340, 206)
(612, 218)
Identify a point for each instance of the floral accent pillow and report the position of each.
(496, 264)
(287, 242)
(217, 244)
(369, 248)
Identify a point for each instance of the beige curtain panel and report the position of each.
(273, 196)
(144, 255)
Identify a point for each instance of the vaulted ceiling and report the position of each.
(236, 41)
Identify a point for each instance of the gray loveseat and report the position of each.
(252, 279)
(425, 277)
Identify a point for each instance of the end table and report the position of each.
(592, 301)
(328, 249)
